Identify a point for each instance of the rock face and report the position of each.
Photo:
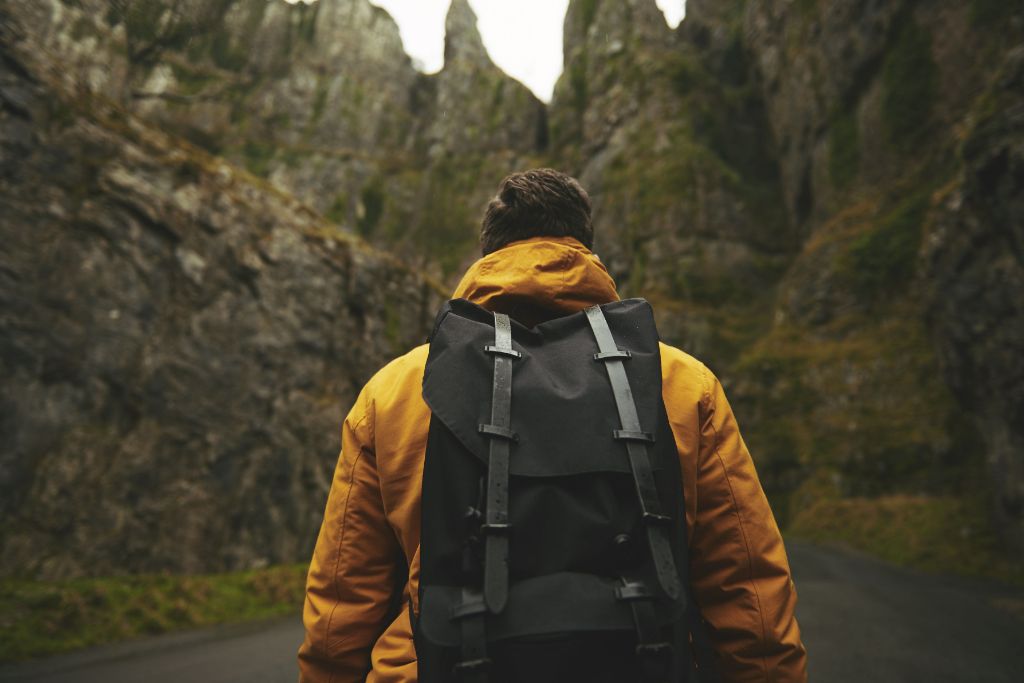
(674, 149)
(896, 150)
(975, 266)
(321, 100)
(179, 342)
(820, 197)
(772, 175)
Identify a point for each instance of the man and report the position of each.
(536, 266)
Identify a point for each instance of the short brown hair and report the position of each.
(541, 202)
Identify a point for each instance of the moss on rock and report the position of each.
(861, 397)
(258, 156)
(371, 207)
(882, 259)
(844, 149)
(910, 83)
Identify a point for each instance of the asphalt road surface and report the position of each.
(863, 622)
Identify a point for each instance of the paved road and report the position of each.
(251, 653)
(863, 622)
(867, 622)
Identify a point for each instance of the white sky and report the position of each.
(523, 37)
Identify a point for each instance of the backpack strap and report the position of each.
(653, 653)
(656, 524)
(474, 665)
(499, 431)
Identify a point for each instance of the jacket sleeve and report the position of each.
(739, 570)
(352, 577)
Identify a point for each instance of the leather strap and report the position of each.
(496, 522)
(654, 521)
(653, 653)
(474, 665)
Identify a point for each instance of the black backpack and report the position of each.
(553, 542)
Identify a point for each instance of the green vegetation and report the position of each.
(807, 10)
(910, 84)
(727, 119)
(857, 438)
(225, 54)
(861, 397)
(651, 182)
(394, 330)
(40, 617)
(667, 174)
(154, 26)
(320, 101)
(307, 19)
(844, 148)
(882, 259)
(337, 212)
(735, 65)
(190, 80)
(372, 203)
(933, 533)
(144, 25)
(497, 94)
(258, 156)
(588, 11)
(253, 20)
(987, 12)
(445, 227)
(82, 28)
(684, 73)
(806, 7)
(578, 83)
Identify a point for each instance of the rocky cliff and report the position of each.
(319, 99)
(893, 124)
(817, 197)
(180, 340)
(821, 198)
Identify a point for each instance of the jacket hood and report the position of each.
(538, 279)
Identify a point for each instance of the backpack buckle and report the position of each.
(652, 649)
(468, 609)
(653, 518)
(498, 432)
(618, 354)
(655, 659)
(497, 350)
(472, 666)
(632, 435)
(632, 590)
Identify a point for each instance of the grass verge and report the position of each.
(939, 534)
(40, 618)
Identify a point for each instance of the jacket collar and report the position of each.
(538, 279)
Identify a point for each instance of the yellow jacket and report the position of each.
(371, 528)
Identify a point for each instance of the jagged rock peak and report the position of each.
(462, 39)
(356, 28)
(715, 11)
(611, 21)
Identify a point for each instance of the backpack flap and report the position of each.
(557, 408)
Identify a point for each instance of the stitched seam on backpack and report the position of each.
(746, 546)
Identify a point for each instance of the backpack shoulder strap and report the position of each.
(656, 523)
(499, 431)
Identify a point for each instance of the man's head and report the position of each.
(541, 202)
